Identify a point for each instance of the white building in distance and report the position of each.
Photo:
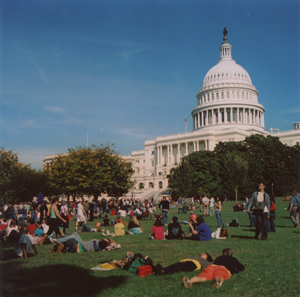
(227, 110)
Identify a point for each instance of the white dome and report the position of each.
(226, 72)
(227, 97)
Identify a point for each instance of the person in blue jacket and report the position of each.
(261, 216)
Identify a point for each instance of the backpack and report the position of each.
(137, 263)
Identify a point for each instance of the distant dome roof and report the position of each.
(226, 70)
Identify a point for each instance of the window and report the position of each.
(152, 163)
(152, 153)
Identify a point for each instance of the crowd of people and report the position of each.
(27, 224)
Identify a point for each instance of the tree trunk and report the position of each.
(236, 195)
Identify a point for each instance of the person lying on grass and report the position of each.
(186, 265)
(220, 233)
(128, 263)
(74, 244)
(223, 267)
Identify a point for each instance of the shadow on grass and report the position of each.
(249, 230)
(53, 280)
(243, 237)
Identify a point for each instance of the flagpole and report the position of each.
(186, 124)
(87, 139)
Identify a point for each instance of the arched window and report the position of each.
(160, 184)
(222, 95)
(217, 94)
(227, 95)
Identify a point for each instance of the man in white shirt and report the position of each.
(205, 201)
(81, 214)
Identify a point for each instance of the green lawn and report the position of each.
(272, 266)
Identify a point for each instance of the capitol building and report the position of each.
(227, 110)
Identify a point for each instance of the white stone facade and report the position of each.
(227, 110)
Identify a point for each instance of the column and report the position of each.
(225, 115)
(207, 146)
(231, 114)
(219, 116)
(195, 124)
(178, 153)
(168, 155)
(244, 120)
(198, 114)
(186, 149)
(171, 147)
(263, 119)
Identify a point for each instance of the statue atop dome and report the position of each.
(225, 32)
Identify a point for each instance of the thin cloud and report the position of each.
(41, 72)
(133, 133)
(56, 109)
(294, 110)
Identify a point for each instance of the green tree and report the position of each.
(18, 182)
(236, 168)
(91, 171)
(199, 170)
(180, 182)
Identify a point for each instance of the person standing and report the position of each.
(205, 201)
(294, 204)
(81, 214)
(211, 205)
(179, 205)
(53, 221)
(261, 215)
(91, 208)
(165, 206)
(218, 212)
(271, 224)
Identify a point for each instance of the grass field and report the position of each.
(272, 266)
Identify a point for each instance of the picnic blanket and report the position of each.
(103, 267)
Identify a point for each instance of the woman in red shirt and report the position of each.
(158, 231)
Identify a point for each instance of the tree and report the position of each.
(236, 168)
(91, 171)
(18, 182)
(199, 170)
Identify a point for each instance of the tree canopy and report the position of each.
(241, 165)
(91, 171)
(19, 182)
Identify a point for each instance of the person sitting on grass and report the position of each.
(224, 266)
(158, 231)
(25, 243)
(134, 227)
(203, 231)
(186, 265)
(220, 233)
(119, 227)
(174, 230)
(105, 221)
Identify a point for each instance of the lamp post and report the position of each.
(272, 187)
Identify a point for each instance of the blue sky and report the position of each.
(128, 71)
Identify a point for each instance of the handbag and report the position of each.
(258, 207)
(144, 270)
